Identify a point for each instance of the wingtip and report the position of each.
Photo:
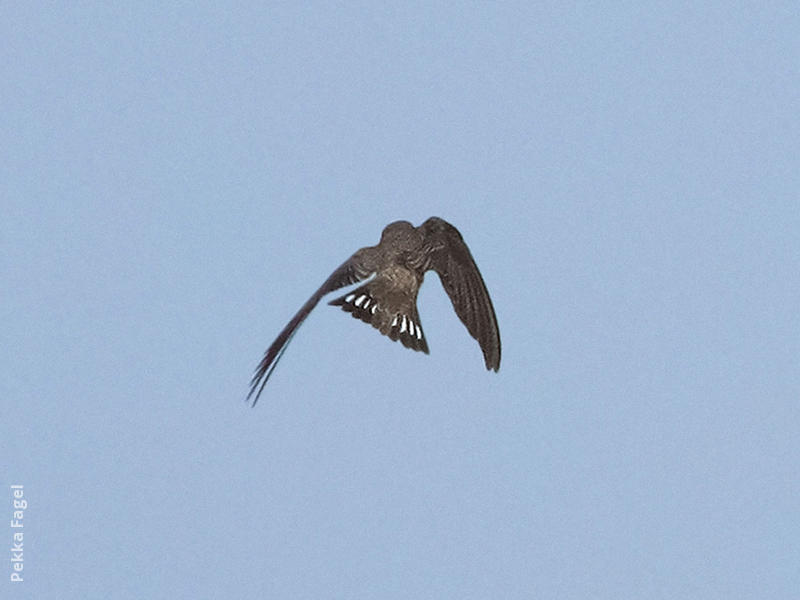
(250, 399)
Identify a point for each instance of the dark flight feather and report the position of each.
(347, 274)
(448, 255)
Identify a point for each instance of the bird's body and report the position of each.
(388, 301)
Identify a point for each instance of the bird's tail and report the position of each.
(397, 323)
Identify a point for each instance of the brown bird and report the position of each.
(388, 301)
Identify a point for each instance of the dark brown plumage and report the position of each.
(388, 301)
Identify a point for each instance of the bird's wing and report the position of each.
(356, 268)
(448, 255)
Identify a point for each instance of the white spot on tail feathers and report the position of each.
(349, 297)
(419, 332)
(394, 321)
(403, 325)
(374, 308)
(360, 299)
(366, 303)
(411, 327)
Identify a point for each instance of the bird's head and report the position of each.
(398, 229)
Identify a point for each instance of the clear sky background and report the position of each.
(177, 180)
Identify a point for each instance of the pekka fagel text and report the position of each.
(17, 538)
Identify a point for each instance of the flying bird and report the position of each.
(388, 301)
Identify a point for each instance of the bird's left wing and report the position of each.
(448, 255)
(355, 269)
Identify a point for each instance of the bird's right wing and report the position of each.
(448, 255)
(355, 269)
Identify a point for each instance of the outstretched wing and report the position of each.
(448, 255)
(356, 268)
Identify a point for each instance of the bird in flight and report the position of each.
(388, 301)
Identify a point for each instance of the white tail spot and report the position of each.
(374, 308)
(394, 321)
(419, 332)
(349, 297)
(403, 325)
(360, 299)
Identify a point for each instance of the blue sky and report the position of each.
(177, 180)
